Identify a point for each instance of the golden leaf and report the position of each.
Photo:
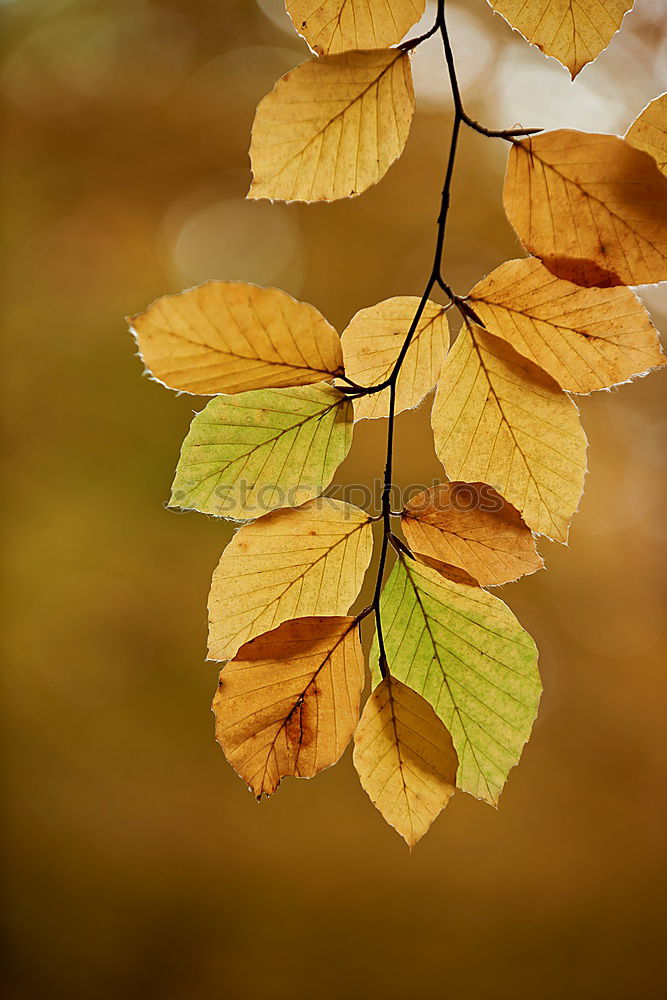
(341, 25)
(373, 341)
(332, 127)
(471, 527)
(288, 703)
(649, 131)
(405, 759)
(585, 338)
(498, 418)
(573, 31)
(228, 336)
(291, 563)
(591, 206)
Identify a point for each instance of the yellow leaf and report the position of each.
(405, 759)
(341, 25)
(291, 563)
(592, 207)
(332, 127)
(649, 131)
(585, 338)
(228, 336)
(373, 341)
(288, 703)
(471, 527)
(573, 31)
(498, 418)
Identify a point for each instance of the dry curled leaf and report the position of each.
(470, 527)
(463, 650)
(498, 418)
(591, 206)
(405, 759)
(573, 31)
(585, 338)
(341, 25)
(332, 127)
(291, 563)
(288, 703)
(248, 454)
(373, 341)
(229, 336)
(649, 131)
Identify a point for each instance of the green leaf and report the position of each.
(248, 454)
(464, 651)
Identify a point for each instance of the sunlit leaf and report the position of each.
(373, 341)
(248, 454)
(649, 131)
(405, 759)
(291, 563)
(229, 336)
(573, 31)
(341, 25)
(471, 527)
(498, 418)
(288, 703)
(332, 127)
(463, 650)
(591, 206)
(585, 338)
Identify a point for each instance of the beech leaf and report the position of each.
(288, 703)
(332, 127)
(585, 338)
(649, 131)
(373, 341)
(248, 454)
(341, 25)
(463, 650)
(498, 418)
(290, 563)
(573, 31)
(470, 527)
(405, 759)
(591, 206)
(229, 336)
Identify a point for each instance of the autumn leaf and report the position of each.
(229, 336)
(470, 527)
(463, 650)
(332, 127)
(498, 418)
(649, 131)
(372, 342)
(591, 206)
(585, 338)
(288, 703)
(341, 25)
(248, 454)
(291, 563)
(405, 759)
(573, 31)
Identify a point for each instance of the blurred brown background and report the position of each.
(138, 864)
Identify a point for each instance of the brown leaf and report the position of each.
(573, 31)
(341, 25)
(229, 336)
(500, 419)
(288, 703)
(373, 341)
(649, 131)
(332, 127)
(585, 338)
(592, 207)
(405, 759)
(471, 527)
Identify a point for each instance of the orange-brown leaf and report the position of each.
(342, 25)
(649, 131)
